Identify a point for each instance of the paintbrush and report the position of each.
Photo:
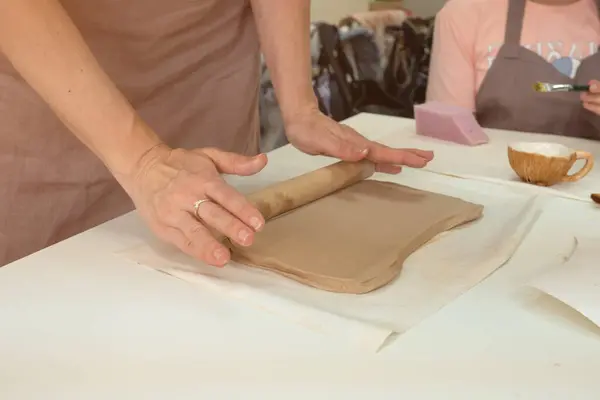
(542, 87)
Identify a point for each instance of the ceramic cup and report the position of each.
(547, 164)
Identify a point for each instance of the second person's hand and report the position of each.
(181, 195)
(591, 98)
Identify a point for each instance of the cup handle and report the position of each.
(589, 164)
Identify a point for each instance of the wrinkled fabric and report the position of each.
(506, 99)
(191, 70)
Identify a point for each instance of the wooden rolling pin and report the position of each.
(286, 196)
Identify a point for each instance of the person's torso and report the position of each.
(506, 98)
(561, 35)
(182, 63)
(189, 67)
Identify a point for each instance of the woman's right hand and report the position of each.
(168, 182)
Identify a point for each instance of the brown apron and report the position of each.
(506, 99)
(183, 64)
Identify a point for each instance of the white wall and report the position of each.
(424, 8)
(334, 10)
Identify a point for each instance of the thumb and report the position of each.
(236, 164)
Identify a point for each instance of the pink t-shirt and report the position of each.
(469, 33)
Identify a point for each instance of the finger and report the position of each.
(595, 108)
(426, 154)
(191, 237)
(590, 98)
(360, 141)
(216, 216)
(594, 86)
(388, 168)
(381, 154)
(235, 203)
(236, 164)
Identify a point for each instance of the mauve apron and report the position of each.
(506, 99)
(190, 68)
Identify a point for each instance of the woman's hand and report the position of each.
(317, 134)
(166, 185)
(591, 99)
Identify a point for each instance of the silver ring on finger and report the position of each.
(197, 205)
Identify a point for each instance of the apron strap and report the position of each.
(514, 21)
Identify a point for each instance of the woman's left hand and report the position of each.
(591, 99)
(317, 134)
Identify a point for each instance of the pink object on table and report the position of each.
(449, 122)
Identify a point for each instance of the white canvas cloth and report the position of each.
(432, 277)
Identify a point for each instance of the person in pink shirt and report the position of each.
(488, 54)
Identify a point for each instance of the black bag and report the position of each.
(407, 72)
(349, 94)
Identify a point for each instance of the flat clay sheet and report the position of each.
(356, 239)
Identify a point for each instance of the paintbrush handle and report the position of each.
(580, 88)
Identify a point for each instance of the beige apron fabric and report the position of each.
(506, 99)
(356, 239)
(190, 68)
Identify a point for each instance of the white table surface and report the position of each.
(76, 321)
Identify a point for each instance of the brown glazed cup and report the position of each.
(546, 164)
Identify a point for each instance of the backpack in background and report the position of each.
(407, 72)
(350, 74)
(347, 81)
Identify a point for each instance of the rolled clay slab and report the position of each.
(355, 239)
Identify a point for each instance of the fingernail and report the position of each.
(363, 151)
(220, 255)
(243, 235)
(256, 223)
